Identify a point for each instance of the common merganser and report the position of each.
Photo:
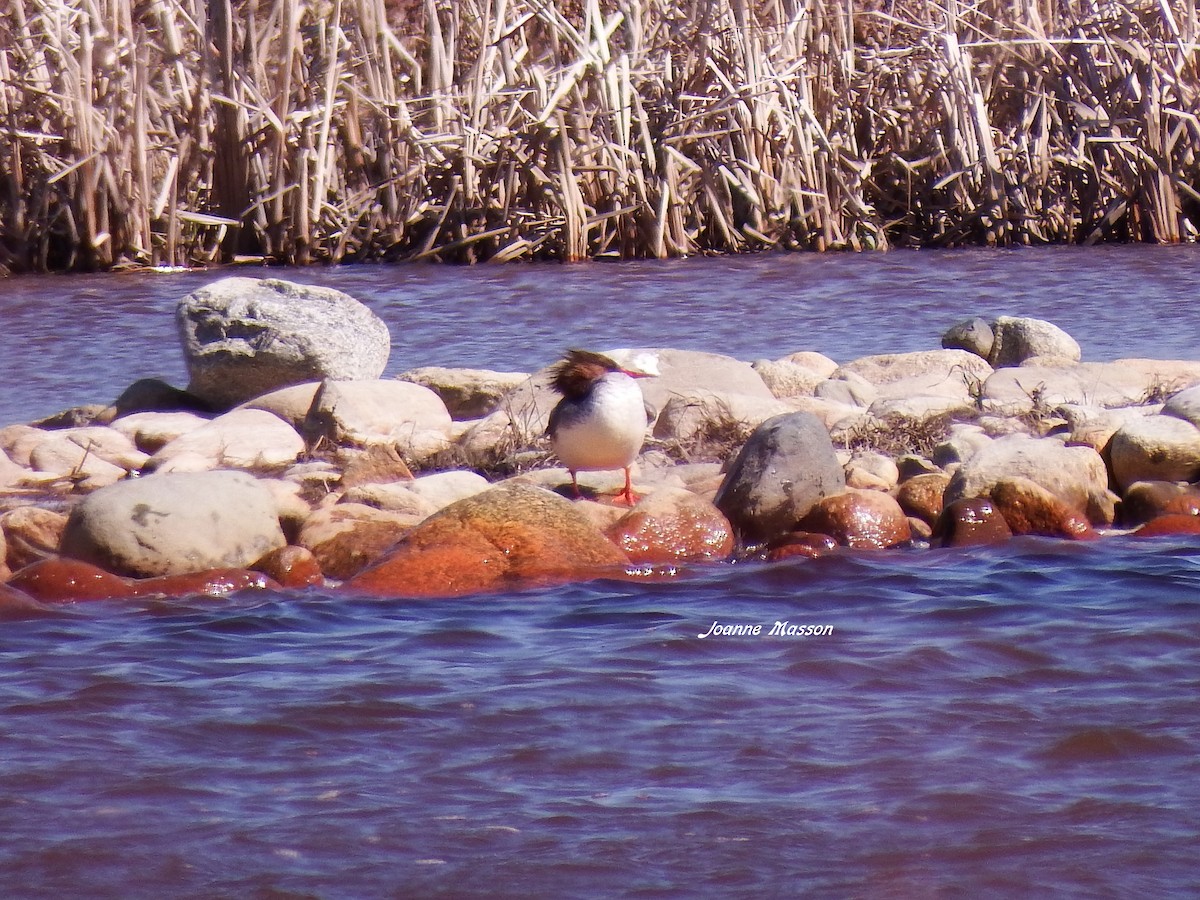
(600, 423)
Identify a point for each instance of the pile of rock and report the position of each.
(289, 462)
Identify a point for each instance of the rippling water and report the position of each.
(1020, 721)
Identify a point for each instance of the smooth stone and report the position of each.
(801, 544)
(871, 469)
(292, 567)
(863, 520)
(1029, 508)
(1076, 475)
(973, 335)
(1176, 523)
(376, 464)
(787, 379)
(347, 537)
(961, 444)
(817, 363)
(60, 580)
(1017, 338)
(848, 388)
(1144, 501)
(239, 439)
(173, 524)
(921, 496)
(785, 467)
(31, 533)
(706, 422)
(1041, 388)
(1184, 405)
(290, 403)
(421, 496)
(509, 537)
(672, 525)
(1155, 448)
(220, 582)
(360, 413)
(954, 374)
(17, 442)
(151, 431)
(17, 605)
(972, 522)
(243, 337)
(1095, 427)
(467, 393)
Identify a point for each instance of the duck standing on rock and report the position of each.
(600, 423)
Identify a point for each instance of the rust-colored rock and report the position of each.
(802, 544)
(31, 533)
(510, 536)
(1177, 523)
(62, 580)
(1147, 500)
(921, 496)
(970, 523)
(16, 604)
(1029, 508)
(859, 519)
(673, 525)
(292, 567)
(377, 464)
(211, 582)
(347, 537)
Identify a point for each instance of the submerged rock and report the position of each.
(508, 537)
(972, 522)
(673, 525)
(861, 519)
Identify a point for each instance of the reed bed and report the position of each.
(192, 132)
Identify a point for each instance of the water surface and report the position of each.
(1012, 722)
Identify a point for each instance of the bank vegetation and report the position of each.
(193, 132)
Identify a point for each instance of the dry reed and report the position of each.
(189, 132)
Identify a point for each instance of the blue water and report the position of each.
(1019, 721)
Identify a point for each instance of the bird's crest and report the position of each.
(575, 373)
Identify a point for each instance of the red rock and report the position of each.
(1029, 508)
(292, 566)
(15, 604)
(1177, 523)
(62, 580)
(859, 519)
(347, 537)
(1147, 500)
(921, 496)
(512, 536)
(673, 525)
(802, 543)
(211, 582)
(971, 522)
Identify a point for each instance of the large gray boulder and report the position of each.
(175, 523)
(1018, 338)
(786, 466)
(243, 337)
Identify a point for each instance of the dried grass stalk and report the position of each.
(186, 132)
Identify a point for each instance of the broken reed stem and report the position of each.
(187, 132)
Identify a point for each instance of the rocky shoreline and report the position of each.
(288, 462)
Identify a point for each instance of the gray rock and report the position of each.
(973, 335)
(243, 337)
(172, 524)
(786, 466)
(1019, 338)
